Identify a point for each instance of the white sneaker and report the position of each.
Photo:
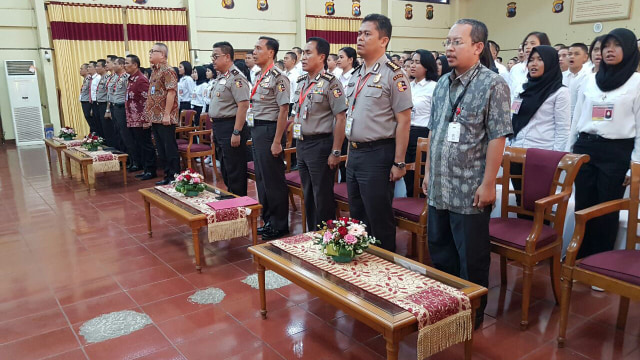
(207, 160)
(198, 160)
(595, 288)
(217, 163)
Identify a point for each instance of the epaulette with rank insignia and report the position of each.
(327, 76)
(393, 66)
(302, 77)
(276, 71)
(235, 72)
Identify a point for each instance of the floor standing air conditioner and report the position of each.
(24, 97)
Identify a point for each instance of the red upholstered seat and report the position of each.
(514, 232)
(182, 141)
(194, 147)
(619, 264)
(409, 208)
(251, 167)
(340, 192)
(293, 178)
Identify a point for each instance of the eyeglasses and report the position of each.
(215, 57)
(455, 43)
(152, 51)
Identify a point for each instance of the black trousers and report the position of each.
(108, 129)
(97, 120)
(317, 180)
(183, 105)
(233, 160)
(123, 138)
(272, 187)
(410, 156)
(165, 136)
(343, 166)
(371, 192)
(86, 111)
(459, 245)
(196, 118)
(598, 181)
(144, 151)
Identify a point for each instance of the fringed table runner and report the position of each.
(68, 143)
(443, 313)
(223, 224)
(103, 161)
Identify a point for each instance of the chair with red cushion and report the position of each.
(185, 125)
(411, 212)
(295, 188)
(203, 148)
(616, 271)
(547, 181)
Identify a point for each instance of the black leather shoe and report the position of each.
(274, 234)
(266, 227)
(148, 176)
(139, 175)
(164, 182)
(135, 168)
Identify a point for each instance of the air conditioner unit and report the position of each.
(24, 97)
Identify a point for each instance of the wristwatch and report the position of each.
(336, 153)
(236, 132)
(399, 165)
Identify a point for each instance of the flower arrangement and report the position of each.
(344, 238)
(189, 183)
(67, 133)
(92, 141)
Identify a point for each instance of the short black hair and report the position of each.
(409, 59)
(495, 45)
(561, 45)
(250, 52)
(542, 37)
(499, 58)
(102, 62)
(84, 65)
(134, 59)
(297, 49)
(383, 24)
(593, 43)
(351, 53)
(479, 31)
(293, 55)
(429, 63)
(582, 46)
(322, 47)
(395, 56)
(188, 68)
(225, 47)
(112, 57)
(119, 60)
(333, 56)
(92, 62)
(272, 44)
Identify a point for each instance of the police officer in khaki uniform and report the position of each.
(267, 118)
(85, 95)
(101, 98)
(319, 99)
(228, 111)
(117, 97)
(377, 127)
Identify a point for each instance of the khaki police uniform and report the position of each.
(375, 95)
(117, 96)
(271, 91)
(108, 132)
(227, 91)
(85, 96)
(317, 101)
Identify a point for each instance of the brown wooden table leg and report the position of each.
(48, 155)
(253, 224)
(123, 164)
(392, 348)
(68, 161)
(85, 174)
(196, 248)
(60, 161)
(263, 295)
(468, 345)
(147, 211)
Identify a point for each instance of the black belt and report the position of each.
(419, 127)
(101, 102)
(223, 119)
(118, 105)
(594, 137)
(264, 122)
(315, 137)
(370, 144)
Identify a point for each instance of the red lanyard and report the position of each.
(114, 85)
(303, 95)
(358, 89)
(255, 87)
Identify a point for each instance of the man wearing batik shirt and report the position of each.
(138, 124)
(470, 119)
(162, 109)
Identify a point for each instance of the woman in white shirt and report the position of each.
(595, 53)
(199, 92)
(347, 61)
(606, 126)
(518, 73)
(424, 72)
(211, 78)
(185, 86)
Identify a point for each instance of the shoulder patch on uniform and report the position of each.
(337, 93)
(327, 76)
(302, 77)
(402, 86)
(393, 66)
(281, 87)
(398, 76)
(235, 72)
(334, 86)
(238, 83)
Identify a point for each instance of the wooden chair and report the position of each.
(616, 271)
(185, 125)
(411, 212)
(531, 241)
(288, 150)
(200, 149)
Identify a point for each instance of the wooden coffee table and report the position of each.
(84, 160)
(190, 216)
(392, 321)
(57, 147)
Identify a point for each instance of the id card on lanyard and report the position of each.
(515, 106)
(349, 124)
(303, 112)
(454, 128)
(250, 120)
(602, 112)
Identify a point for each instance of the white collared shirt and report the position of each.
(344, 78)
(549, 127)
(502, 70)
(575, 82)
(336, 72)
(185, 88)
(255, 70)
(625, 122)
(298, 67)
(518, 77)
(95, 80)
(293, 76)
(198, 95)
(421, 94)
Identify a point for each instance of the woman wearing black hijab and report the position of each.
(606, 126)
(443, 65)
(541, 115)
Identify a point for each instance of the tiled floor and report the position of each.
(67, 255)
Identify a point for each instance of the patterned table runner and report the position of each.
(68, 143)
(443, 313)
(103, 161)
(222, 224)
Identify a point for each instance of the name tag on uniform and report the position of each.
(348, 125)
(305, 110)
(153, 90)
(453, 133)
(249, 118)
(181, 92)
(223, 81)
(193, 96)
(602, 112)
(515, 106)
(297, 131)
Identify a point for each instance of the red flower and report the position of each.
(330, 224)
(95, 137)
(188, 177)
(343, 231)
(345, 219)
(355, 221)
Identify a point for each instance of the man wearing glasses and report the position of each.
(228, 111)
(470, 119)
(162, 109)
